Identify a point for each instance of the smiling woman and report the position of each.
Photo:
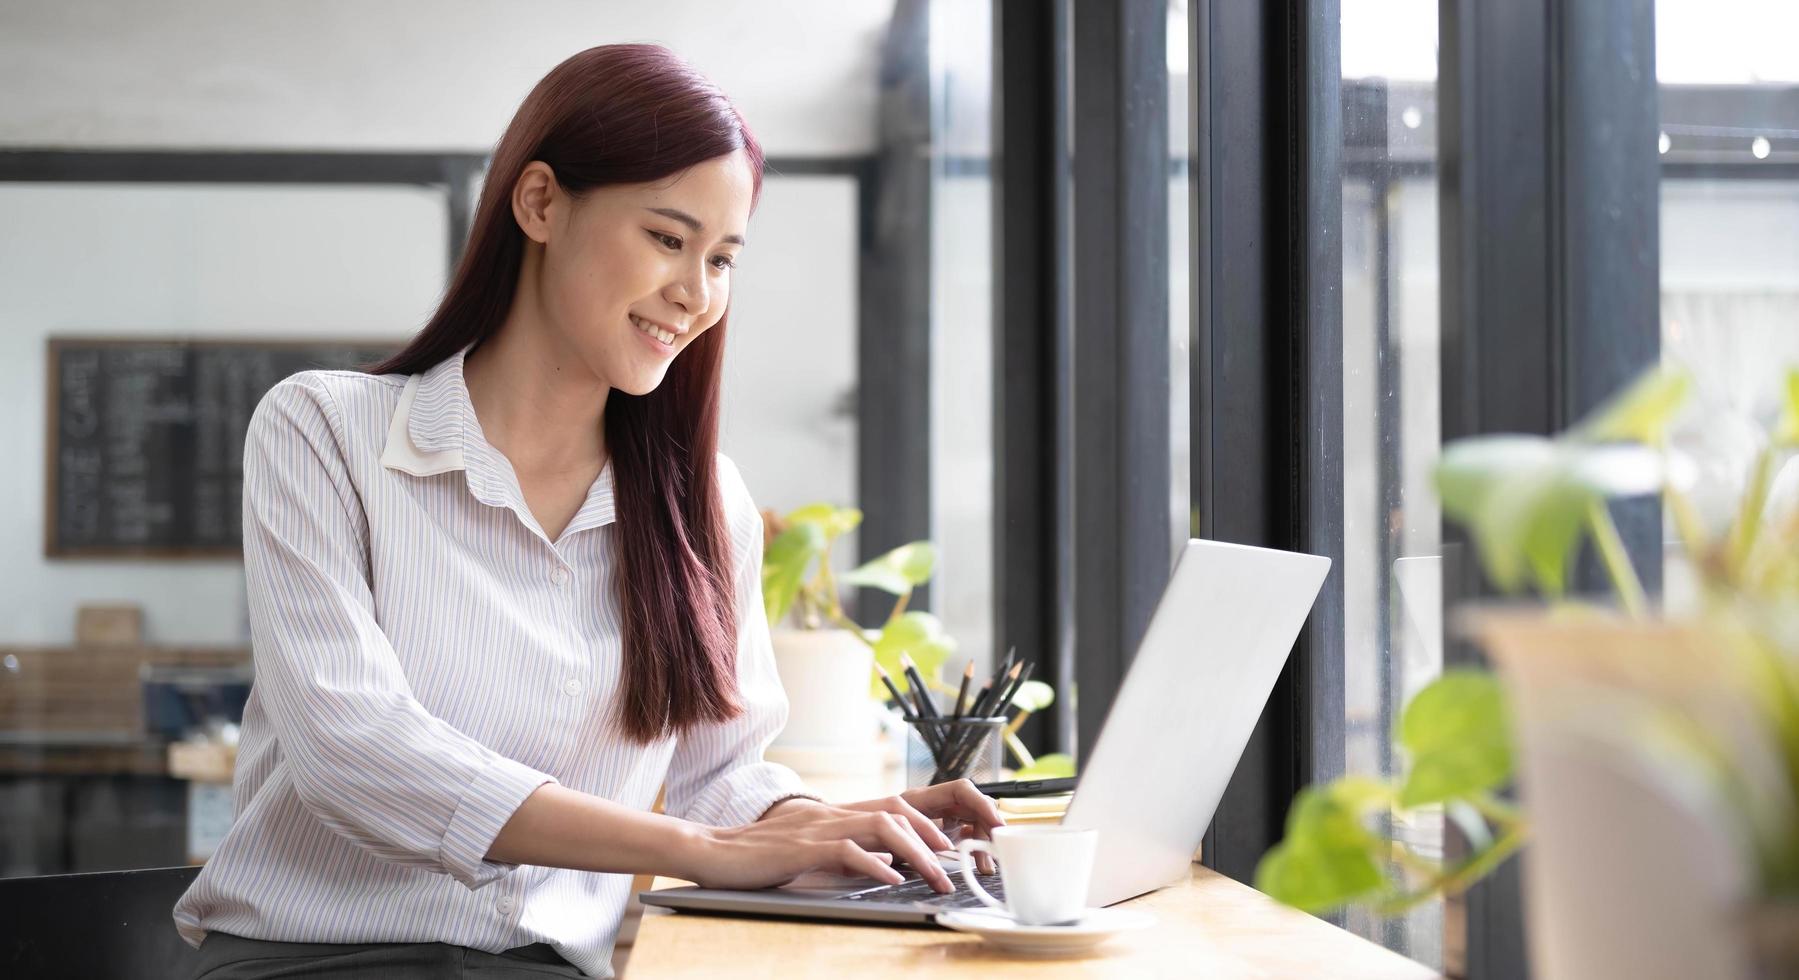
(570, 242)
(503, 588)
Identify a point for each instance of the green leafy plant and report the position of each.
(1530, 503)
(797, 582)
(801, 542)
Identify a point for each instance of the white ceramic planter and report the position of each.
(829, 720)
(1632, 869)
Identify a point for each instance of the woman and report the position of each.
(503, 589)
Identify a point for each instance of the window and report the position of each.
(1729, 146)
(1391, 522)
(961, 317)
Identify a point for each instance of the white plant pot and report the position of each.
(831, 727)
(1632, 869)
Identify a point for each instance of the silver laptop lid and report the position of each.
(1192, 695)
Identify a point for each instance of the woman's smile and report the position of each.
(662, 341)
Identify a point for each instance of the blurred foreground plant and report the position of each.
(1529, 503)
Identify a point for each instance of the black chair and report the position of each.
(115, 924)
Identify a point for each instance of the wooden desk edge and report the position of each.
(1208, 925)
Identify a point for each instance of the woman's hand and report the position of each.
(862, 839)
(802, 835)
(963, 810)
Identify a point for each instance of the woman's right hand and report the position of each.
(804, 835)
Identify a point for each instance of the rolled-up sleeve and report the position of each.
(366, 759)
(718, 776)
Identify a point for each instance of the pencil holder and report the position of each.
(939, 750)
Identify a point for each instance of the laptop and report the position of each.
(1214, 647)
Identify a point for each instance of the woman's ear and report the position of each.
(533, 197)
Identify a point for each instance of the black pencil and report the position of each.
(931, 733)
(1006, 664)
(986, 709)
(1017, 686)
(962, 692)
(926, 707)
(893, 689)
(999, 710)
(964, 748)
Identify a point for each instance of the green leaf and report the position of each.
(1327, 858)
(898, 571)
(1513, 494)
(833, 521)
(919, 635)
(1526, 499)
(1641, 412)
(784, 566)
(1456, 731)
(1052, 766)
(1787, 434)
(1034, 696)
(1362, 794)
(1531, 528)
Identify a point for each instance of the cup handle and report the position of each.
(967, 848)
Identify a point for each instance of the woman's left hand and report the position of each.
(963, 810)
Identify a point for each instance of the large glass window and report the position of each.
(1729, 146)
(1391, 522)
(962, 327)
(1180, 265)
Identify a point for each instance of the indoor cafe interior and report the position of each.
(1487, 311)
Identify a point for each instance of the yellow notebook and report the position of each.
(1034, 809)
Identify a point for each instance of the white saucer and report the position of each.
(1093, 928)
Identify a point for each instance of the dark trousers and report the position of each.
(227, 957)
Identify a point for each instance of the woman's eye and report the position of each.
(668, 241)
(722, 262)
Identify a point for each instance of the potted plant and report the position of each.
(826, 660)
(1657, 750)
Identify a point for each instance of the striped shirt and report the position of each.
(426, 657)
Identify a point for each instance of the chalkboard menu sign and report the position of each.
(146, 439)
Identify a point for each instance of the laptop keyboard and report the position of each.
(917, 891)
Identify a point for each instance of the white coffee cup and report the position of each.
(1045, 870)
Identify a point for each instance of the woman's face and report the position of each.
(634, 273)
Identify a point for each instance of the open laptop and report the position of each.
(1214, 647)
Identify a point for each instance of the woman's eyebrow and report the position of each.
(693, 223)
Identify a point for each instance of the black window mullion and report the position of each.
(1316, 241)
(1120, 378)
(1267, 363)
(893, 349)
(1031, 558)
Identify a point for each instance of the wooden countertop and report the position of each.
(1210, 926)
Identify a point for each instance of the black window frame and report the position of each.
(1542, 316)
(1080, 410)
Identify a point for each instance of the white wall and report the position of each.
(195, 260)
(171, 260)
(407, 74)
(790, 362)
(210, 261)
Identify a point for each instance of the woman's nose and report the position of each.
(689, 291)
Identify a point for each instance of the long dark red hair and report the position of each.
(624, 114)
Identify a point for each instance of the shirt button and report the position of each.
(571, 687)
(505, 905)
(559, 575)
